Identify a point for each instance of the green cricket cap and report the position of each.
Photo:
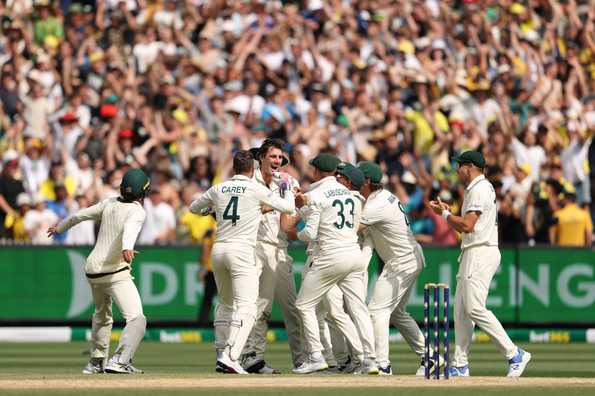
(352, 173)
(371, 170)
(325, 162)
(135, 184)
(471, 157)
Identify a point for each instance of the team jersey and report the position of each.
(333, 216)
(481, 197)
(573, 225)
(269, 230)
(237, 205)
(121, 223)
(388, 226)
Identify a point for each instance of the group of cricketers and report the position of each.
(344, 216)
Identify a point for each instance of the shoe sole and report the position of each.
(311, 372)
(111, 371)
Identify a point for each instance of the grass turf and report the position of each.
(65, 361)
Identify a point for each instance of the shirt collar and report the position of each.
(240, 177)
(322, 181)
(474, 182)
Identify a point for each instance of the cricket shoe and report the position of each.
(517, 364)
(114, 367)
(95, 366)
(421, 370)
(369, 367)
(343, 366)
(226, 365)
(311, 365)
(385, 370)
(254, 365)
(353, 367)
(462, 371)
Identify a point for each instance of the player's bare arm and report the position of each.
(128, 255)
(464, 223)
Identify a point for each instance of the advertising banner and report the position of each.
(533, 285)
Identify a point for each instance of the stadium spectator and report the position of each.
(176, 86)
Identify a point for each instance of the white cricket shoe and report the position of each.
(228, 366)
(518, 363)
(254, 365)
(311, 365)
(369, 367)
(113, 367)
(95, 366)
(353, 367)
(385, 370)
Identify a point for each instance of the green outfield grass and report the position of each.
(189, 361)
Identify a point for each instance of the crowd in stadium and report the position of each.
(91, 88)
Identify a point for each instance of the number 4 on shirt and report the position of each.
(231, 211)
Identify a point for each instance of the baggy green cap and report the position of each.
(471, 157)
(325, 162)
(135, 184)
(371, 170)
(353, 174)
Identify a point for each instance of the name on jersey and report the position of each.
(233, 190)
(336, 193)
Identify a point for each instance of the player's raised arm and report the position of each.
(91, 213)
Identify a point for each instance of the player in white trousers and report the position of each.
(385, 222)
(338, 261)
(108, 273)
(275, 265)
(237, 206)
(478, 262)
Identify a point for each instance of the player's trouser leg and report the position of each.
(224, 309)
(325, 336)
(352, 287)
(265, 256)
(393, 289)
(347, 331)
(127, 299)
(285, 295)
(407, 326)
(478, 266)
(102, 320)
(321, 275)
(241, 279)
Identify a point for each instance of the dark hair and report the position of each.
(267, 144)
(375, 186)
(243, 161)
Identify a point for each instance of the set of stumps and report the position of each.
(436, 289)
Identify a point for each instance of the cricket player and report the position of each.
(385, 222)
(274, 264)
(237, 205)
(330, 219)
(108, 272)
(331, 308)
(478, 262)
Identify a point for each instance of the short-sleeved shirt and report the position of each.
(388, 225)
(573, 224)
(480, 196)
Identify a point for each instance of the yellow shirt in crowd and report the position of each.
(573, 224)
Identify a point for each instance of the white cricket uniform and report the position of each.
(109, 275)
(337, 260)
(332, 309)
(276, 281)
(237, 205)
(388, 228)
(478, 262)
